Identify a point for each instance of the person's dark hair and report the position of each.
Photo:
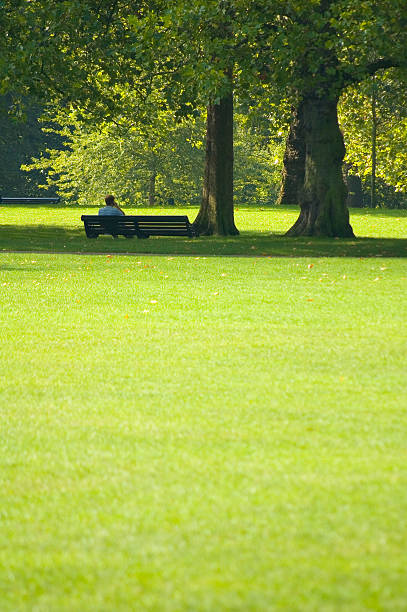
(109, 199)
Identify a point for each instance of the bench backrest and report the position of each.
(168, 225)
(109, 223)
(151, 225)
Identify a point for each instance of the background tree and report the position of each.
(258, 151)
(388, 123)
(141, 163)
(122, 159)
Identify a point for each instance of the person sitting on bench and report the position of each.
(111, 208)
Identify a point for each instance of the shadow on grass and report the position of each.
(44, 239)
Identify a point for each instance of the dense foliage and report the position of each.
(155, 164)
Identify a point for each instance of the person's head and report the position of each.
(109, 199)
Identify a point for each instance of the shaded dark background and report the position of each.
(21, 138)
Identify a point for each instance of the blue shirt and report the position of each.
(110, 210)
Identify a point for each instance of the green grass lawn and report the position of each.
(381, 233)
(203, 433)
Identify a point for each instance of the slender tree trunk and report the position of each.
(216, 213)
(323, 196)
(373, 199)
(292, 178)
(151, 189)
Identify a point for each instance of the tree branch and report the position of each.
(383, 63)
(351, 75)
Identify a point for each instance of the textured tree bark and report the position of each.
(322, 198)
(292, 179)
(216, 212)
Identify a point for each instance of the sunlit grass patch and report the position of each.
(202, 433)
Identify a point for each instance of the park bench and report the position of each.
(141, 226)
(4, 200)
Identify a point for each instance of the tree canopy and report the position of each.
(112, 58)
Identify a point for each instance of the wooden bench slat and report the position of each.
(161, 217)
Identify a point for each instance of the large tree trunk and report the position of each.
(216, 213)
(292, 179)
(323, 196)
